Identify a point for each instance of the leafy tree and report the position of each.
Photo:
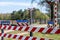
(37, 14)
(43, 3)
(12, 15)
(26, 14)
(20, 14)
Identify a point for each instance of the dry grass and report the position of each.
(40, 35)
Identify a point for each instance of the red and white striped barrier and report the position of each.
(32, 29)
(22, 37)
(55, 13)
(23, 24)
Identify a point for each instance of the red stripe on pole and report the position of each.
(56, 8)
(42, 39)
(9, 27)
(55, 12)
(33, 29)
(49, 30)
(9, 35)
(57, 32)
(4, 27)
(27, 38)
(26, 29)
(34, 38)
(55, 21)
(15, 36)
(14, 27)
(41, 29)
(20, 37)
(55, 16)
(5, 35)
(20, 28)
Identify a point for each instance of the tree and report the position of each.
(12, 15)
(20, 14)
(37, 14)
(43, 3)
(26, 14)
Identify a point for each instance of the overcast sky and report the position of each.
(11, 5)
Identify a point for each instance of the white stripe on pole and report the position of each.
(44, 31)
(30, 38)
(7, 27)
(7, 35)
(24, 27)
(17, 37)
(54, 30)
(23, 38)
(12, 27)
(2, 34)
(12, 36)
(37, 29)
(30, 28)
(2, 26)
(17, 28)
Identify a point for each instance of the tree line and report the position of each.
(36, 14)
(20, 14)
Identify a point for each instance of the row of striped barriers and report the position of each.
(28, 29)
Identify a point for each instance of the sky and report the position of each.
(7, 6)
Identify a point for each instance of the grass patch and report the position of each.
(14, 32)
(53, 36)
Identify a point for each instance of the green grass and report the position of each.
(14, 32)
(40, 35)
(53, 36)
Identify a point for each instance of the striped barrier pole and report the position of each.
(32, 29)
(22, 37)
(23, 24)
(55, 13)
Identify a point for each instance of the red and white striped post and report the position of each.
(55, 13)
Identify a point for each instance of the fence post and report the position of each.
(2, 31)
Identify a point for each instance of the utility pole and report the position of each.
(30, 12)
